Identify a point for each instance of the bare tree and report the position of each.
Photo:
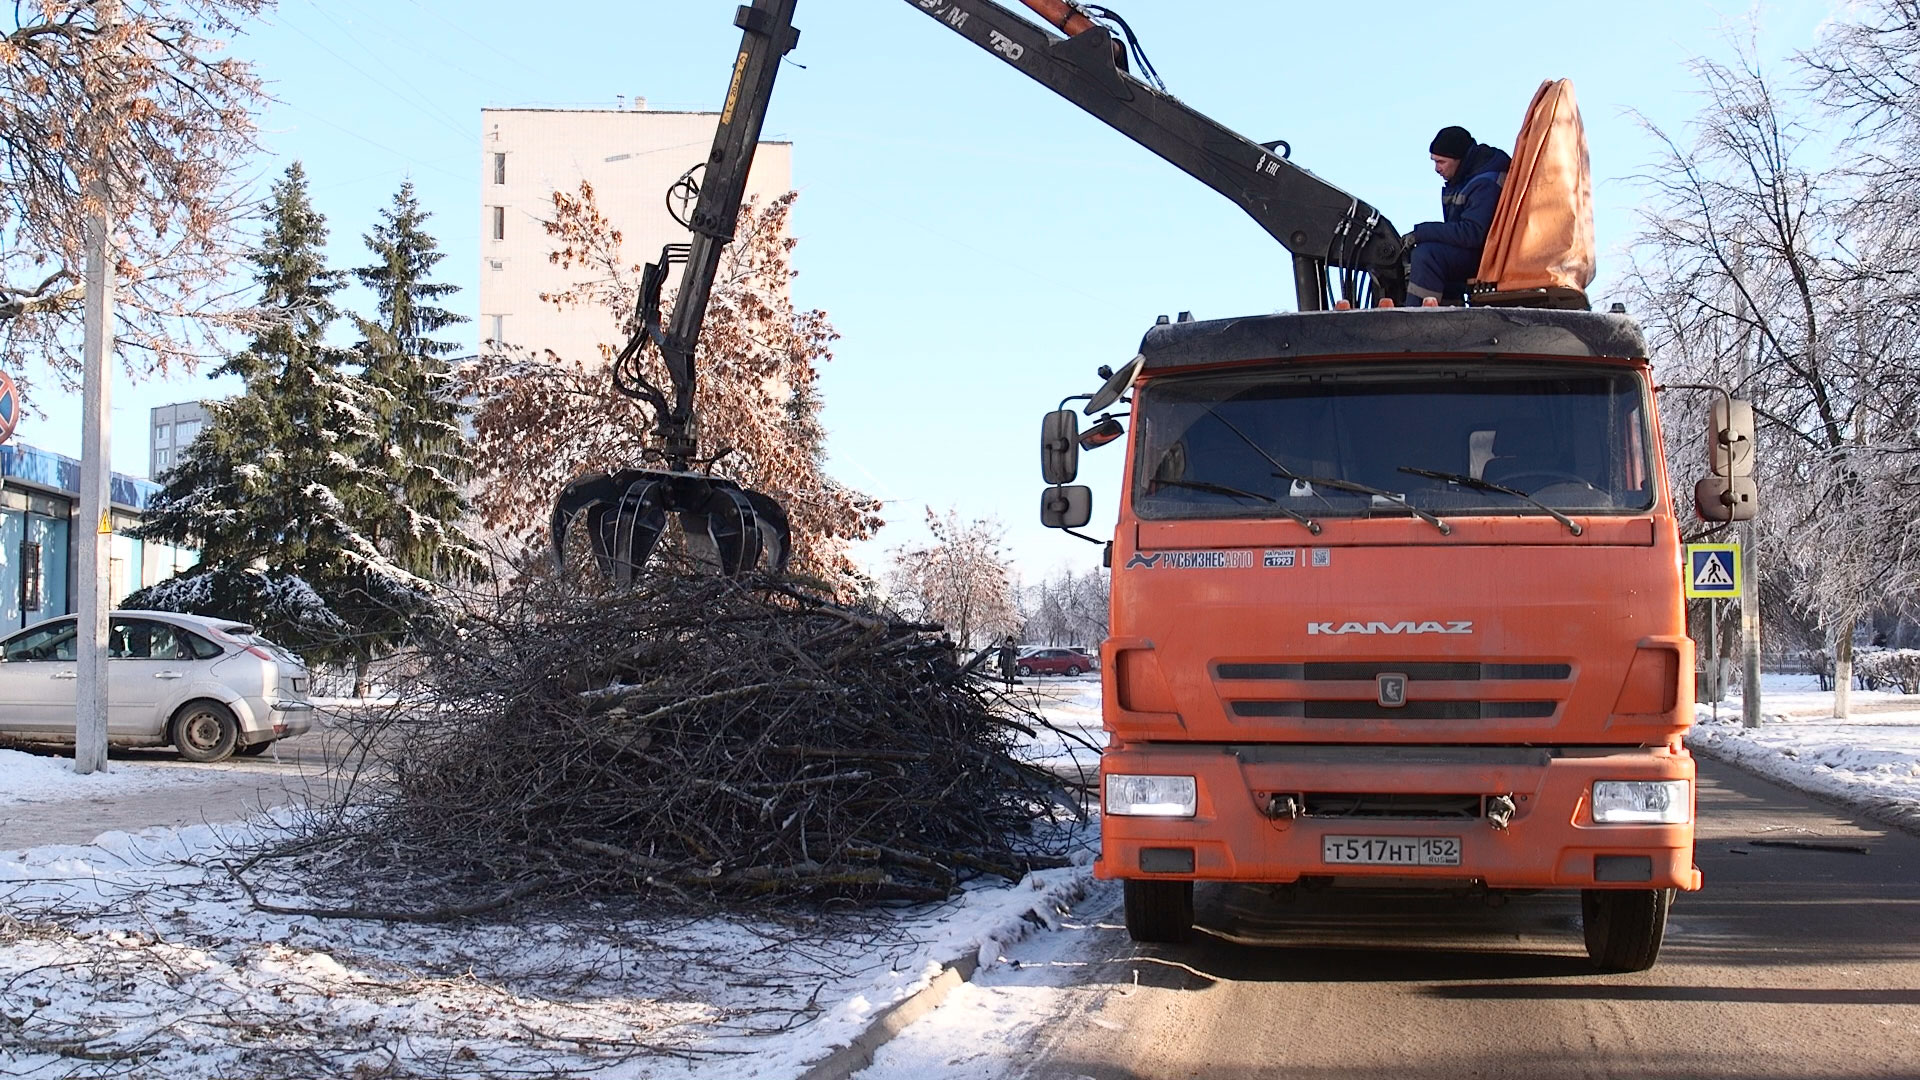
(962, 578)
(133, 98)
(1749, 276)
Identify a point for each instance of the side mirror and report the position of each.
(1730, 438)
(1102, 433)
(1116, 385)
(1059, 447)
(1066, 507)
(1726, 498)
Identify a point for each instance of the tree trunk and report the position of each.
(1843, 671)
(362, 685)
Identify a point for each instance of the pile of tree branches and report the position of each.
(693, 738)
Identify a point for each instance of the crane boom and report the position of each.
(1322, 225)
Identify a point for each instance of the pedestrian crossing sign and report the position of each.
(1713, 570)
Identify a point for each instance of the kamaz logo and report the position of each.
(1408, 627)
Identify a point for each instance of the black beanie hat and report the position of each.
(1452, 142)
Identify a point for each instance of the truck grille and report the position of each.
(1354, 709)
(1349, 804)
(1368, 670)
(1311, 697)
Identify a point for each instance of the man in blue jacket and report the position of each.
(1446, 253)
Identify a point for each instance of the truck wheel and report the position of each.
(1159, 911)
(1624, 926)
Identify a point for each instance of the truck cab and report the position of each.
(1396, 594)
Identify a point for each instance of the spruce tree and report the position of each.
(419, 448)
(272, 493)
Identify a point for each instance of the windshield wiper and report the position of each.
(1478, 484)
(1234, 492)
(1363, 489)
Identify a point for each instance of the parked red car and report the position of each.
(1054, 662)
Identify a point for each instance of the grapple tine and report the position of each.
(776, 535)
(639, 521)
(586, 494)
(725, 520)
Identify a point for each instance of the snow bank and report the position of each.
(36, 778)
(1870, 761)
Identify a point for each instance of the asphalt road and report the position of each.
(1790, 963)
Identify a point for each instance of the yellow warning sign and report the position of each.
(1713, 570)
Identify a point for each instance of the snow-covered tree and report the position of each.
(961, 578)
(1751, 276)
(418, 448)
(543, 419)
(274, 491)
(1067, 609)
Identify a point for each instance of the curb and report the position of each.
(858, 1054)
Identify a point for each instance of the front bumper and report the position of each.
(1550, 841)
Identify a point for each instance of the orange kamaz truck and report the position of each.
(1397, 594)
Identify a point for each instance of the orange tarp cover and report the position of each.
(1542, 232)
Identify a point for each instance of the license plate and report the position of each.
(1391, 850)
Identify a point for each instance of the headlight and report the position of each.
(1150, 796)
(1642, 802)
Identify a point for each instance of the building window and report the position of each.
(499, 222)
(496, 264)
(497, 329)
(163, 436)
(185, 432)
(162, 460)
(499, 168)
(32, 596)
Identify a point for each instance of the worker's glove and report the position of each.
(1406, 245)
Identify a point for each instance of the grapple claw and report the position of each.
(626, 515)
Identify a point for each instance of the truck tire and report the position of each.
(1624, 927)
(1159, 911)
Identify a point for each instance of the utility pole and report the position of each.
(94, 529)
(1749, 535)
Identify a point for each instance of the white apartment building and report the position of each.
(631, 157)
(171, 429)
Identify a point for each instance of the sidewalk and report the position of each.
(1869, 762)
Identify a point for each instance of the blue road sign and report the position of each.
(1713, 570)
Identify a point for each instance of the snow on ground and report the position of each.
(33, 778)
(140, 954)
(1072, 709)
(1871, 760)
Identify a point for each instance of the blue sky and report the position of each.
(981, 245)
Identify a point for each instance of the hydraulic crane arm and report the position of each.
(1319, 223)
(627, 513)
(767, 34)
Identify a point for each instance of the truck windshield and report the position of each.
(1246, 444)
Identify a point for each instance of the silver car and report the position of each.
(211, 687)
